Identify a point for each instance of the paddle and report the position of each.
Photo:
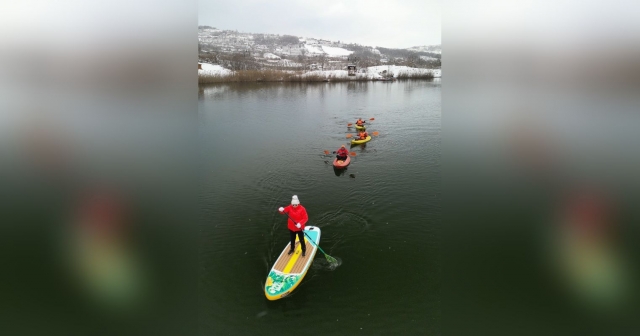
(376, 133)
(326, 152)
(351, 124)
(330, 259)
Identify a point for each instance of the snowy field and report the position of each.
(213, 70)
(334, 51)
(402, 70)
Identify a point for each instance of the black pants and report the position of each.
(341, 157)
(300, 238)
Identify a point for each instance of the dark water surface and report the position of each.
(263, 143)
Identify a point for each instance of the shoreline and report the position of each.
(216, 74)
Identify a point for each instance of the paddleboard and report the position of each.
(289, 270)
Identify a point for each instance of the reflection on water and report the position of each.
(319, 89)
(339, 171)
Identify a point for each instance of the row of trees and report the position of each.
(245, 61)
(270, 40)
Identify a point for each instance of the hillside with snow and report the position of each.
(335, 51)
(312, 49)
(235, 50)
(435, 49)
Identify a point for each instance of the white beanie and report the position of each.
(294, 199)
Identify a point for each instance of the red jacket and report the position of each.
(342, 152)
(298, 214)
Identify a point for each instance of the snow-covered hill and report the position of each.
(334, 51)
(436, 49)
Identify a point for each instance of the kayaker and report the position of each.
(298, 214)
(342, 153)
(359, 122)
(363, 135)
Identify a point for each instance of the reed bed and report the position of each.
(296, 76)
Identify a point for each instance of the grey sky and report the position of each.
(388, 23)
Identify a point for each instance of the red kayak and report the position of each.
(341, 164)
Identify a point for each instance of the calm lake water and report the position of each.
(263, 143)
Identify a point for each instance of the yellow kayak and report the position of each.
(357, 142)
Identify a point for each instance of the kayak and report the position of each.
(341, 164)
(357, 142)
(289, 270)
(361, 128)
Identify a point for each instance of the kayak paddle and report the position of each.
(351, 124)
(326, 152)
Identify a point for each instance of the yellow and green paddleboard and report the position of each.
(289, 270)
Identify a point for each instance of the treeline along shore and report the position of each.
(205, 77)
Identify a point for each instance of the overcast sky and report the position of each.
(389, 23)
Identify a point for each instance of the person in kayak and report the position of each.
(360, 122)
(363, 135)
(342, 153)
(297, 219)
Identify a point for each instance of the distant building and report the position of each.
(351, 70)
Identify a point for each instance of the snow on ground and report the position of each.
(313, 50)
(373, 72)
(401, 69)
(270, 56)
(335, 51)
(213, 70)
(329, 51)
(339, 74)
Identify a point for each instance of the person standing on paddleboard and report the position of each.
(297, 219)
